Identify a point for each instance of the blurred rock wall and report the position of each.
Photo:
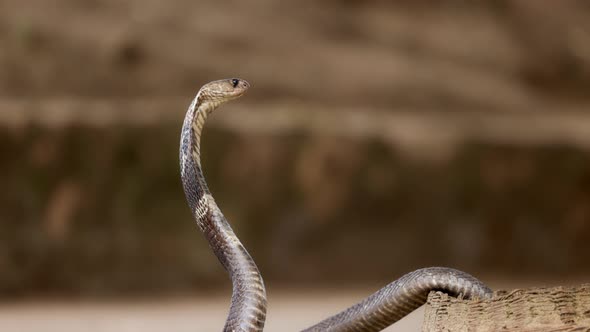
(454, 133)
(521, 55)
(91, 210)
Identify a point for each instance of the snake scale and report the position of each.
(247, 311)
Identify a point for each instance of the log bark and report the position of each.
(562, 309)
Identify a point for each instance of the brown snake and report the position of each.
(247, 312)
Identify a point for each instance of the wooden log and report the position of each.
(562, 309)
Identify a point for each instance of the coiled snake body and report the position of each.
(247, 311)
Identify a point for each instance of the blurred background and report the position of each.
(378, 137)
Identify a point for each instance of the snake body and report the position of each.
(247, 311)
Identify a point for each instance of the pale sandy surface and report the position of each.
(288, 312)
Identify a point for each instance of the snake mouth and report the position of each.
(240, 87)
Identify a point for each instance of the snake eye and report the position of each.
(235, 82)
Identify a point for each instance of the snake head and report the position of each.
(219, 92)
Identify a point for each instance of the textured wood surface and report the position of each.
(555, 309)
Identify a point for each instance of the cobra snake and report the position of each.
(247, 311)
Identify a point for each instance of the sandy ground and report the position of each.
(288, 312)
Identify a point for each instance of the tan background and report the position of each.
(377, 138)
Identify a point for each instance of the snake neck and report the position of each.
(248, 303)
